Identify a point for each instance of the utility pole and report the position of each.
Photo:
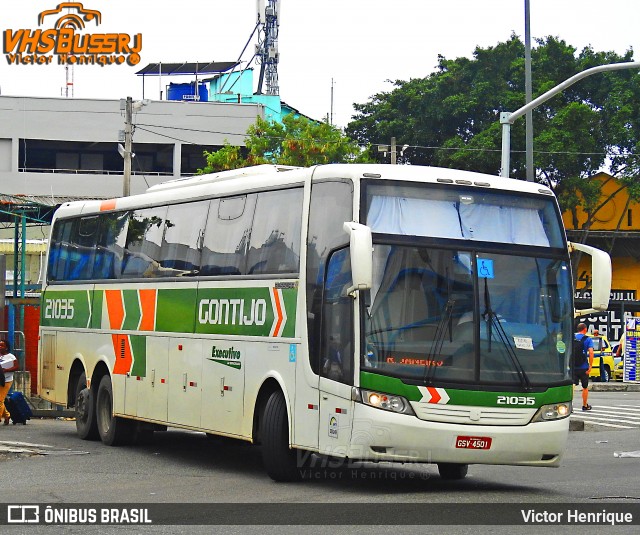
(530, 169)
(128, 131)
(393, 151)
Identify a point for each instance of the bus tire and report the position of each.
(280, 461)
(85, 411)
(452, 471)
(114, 431)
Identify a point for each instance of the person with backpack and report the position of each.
(582, 362)
(8, 365)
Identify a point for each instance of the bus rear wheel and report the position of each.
(114, 431)
(452, 471)
(85, 411)
(280, 461)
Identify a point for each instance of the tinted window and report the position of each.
(183, 235)
(275, 237)
(110, 246)
(226, 236)
(144, 240)
(331, 206)
(59, 250)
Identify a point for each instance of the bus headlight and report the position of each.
(553, 411)
(386, 402)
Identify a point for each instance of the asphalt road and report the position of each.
(48, 464)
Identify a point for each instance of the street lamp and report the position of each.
(508, 118)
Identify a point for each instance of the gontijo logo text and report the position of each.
(64, 43)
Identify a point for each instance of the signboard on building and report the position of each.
(631, 362)
(612, 322)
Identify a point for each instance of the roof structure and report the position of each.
(37, 209)
(193, 68)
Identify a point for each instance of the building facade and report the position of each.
(614, 228)
(69, 147)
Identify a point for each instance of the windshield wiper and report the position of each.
(438, 339)
(492, 321)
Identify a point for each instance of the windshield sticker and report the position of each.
(523, 342)
(485, 268)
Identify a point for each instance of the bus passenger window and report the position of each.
(275, 235)
(144, 238)
(110, 246)
(225, 239)
(184, 229)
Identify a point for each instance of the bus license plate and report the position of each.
(473, 443)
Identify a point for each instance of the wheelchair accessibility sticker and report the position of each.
(485, 268)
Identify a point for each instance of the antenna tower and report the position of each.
(267, 48)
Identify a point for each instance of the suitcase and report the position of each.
(18, 407)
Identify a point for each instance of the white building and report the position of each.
(69, 147)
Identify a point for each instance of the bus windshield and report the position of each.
(463, 213)
(467, 314)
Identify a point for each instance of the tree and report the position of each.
(450, 118)
(296, 141)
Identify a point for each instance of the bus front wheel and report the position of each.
(114, 431)
(279, 460)
(452, 471)
(85, 411)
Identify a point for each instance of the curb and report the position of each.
(614, 386)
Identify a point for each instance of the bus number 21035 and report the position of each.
(516, 400)
(59, 309)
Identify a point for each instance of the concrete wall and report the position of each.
(164, 122)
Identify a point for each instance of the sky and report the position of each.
(348, 48)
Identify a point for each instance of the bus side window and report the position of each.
(337, 320)
(58, 251)
(181, 242)
(80, 248)
(275, 236)
(226, 237)
(144, 237)
(110, 246)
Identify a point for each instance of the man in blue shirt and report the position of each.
(581, 371)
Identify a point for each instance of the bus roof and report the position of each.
(267, 176)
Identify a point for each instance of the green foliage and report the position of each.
(296, 141)
(450, 118)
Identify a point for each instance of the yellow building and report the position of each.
(614, 228)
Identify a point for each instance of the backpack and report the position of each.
(579, 352)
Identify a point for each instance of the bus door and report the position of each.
(336, 358)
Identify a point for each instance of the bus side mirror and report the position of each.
(600, 277)
(361, 251)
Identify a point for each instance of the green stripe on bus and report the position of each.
(392, 385)
(139, 350)
(175, 312)
(96, 309)
(131, 309)
(67, 308)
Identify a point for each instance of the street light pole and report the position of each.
(508, 118)
(528, 94)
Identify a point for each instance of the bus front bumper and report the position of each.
(379, 435)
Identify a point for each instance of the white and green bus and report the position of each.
(380, 313)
